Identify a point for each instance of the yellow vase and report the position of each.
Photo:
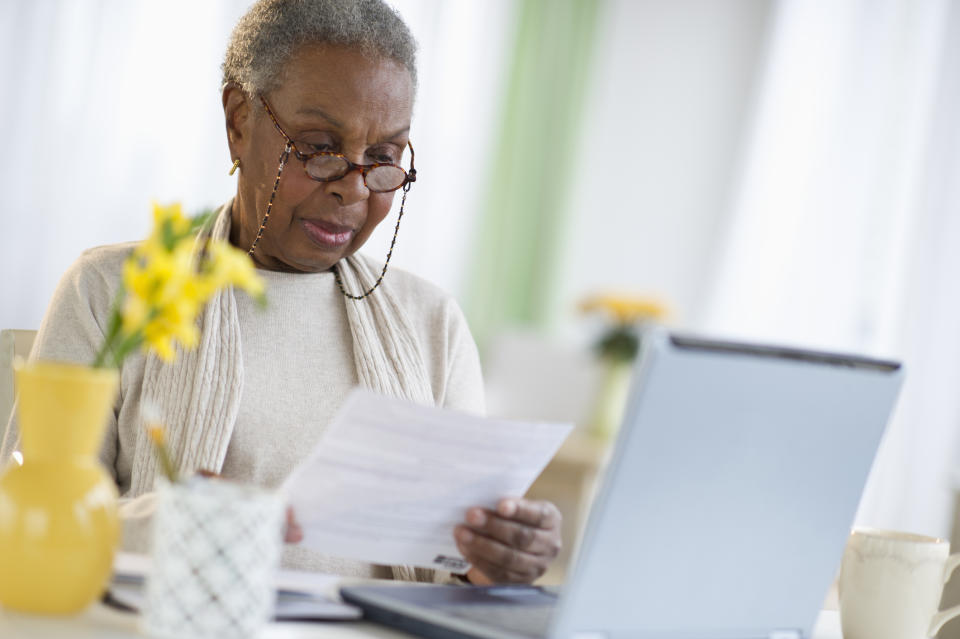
(58, 511)
(611, 400)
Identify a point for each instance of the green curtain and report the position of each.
(526, 207)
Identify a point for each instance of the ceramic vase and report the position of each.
(58, 510)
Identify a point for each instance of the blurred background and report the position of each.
(783, 170)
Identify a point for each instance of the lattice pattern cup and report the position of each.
(216, 548)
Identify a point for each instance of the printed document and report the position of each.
(389, 479)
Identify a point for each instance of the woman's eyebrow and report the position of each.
(316, 111)
(398, 133)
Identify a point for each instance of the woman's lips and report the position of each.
(327, 235)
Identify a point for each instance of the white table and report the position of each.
(101, 622)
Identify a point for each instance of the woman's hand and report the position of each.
(513, 544)
(292, 532)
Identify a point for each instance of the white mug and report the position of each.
(891, 584)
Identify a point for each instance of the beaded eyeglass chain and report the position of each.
(336, 271)
(266, 217)
(396, 229)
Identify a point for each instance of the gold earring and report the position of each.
(236, 165)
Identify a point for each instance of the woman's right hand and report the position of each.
(292, 532)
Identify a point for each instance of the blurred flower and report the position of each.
(226, 266)
(620, 342)
(169, 224)
(159, 439)
(625, 309)
(157, 435)
(617, 347)
(166, 281)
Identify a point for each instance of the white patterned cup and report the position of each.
(216, 549)
(891, 583)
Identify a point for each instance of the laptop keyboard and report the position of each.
(533, 621)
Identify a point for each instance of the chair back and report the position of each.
(13, 343)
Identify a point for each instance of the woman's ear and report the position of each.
(238, 118)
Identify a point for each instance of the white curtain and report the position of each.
(109, 104)
(845, 227)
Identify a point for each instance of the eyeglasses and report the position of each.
(328, 166)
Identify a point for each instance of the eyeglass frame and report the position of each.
(409, 177)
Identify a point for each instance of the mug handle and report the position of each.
(942, 617)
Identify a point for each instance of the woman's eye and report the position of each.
(382, 157)
(317, 147)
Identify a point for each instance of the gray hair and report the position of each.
(271, 30)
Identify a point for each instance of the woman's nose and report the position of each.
(349, 189)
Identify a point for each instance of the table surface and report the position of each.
(101, 622)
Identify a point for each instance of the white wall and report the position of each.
(464, 46)
(108, 105)
(117, 103)
(664, 128)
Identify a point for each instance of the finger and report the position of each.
(535, 541)
(542, 514)
(492, 572)
(491, 554)
(293, 535)
(499, 575)
(293, 532)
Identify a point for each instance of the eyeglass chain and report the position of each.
(336, 271)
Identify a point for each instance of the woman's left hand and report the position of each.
(513, 544)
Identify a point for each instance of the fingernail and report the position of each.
(464, 535)
(508, 508)
(476, 518)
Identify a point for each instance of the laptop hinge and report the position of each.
(783, 633)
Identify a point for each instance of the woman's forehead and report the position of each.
(345, 89)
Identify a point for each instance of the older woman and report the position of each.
(317, 99)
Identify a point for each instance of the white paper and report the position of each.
(389, 479)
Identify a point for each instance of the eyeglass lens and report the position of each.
(330, 167)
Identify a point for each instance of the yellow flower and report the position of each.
(166, 281)
(157, 435)
(134, 314)
(626, 309)
(228, 266)
(159, 342)
(168, 222)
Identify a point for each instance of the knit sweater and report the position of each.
(298, 368)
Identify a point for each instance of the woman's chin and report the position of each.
(304, 257)
(315, 263)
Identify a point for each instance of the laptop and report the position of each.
(722, 514)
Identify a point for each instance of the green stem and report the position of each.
(131, 342)
(113, 331)
(166, 463)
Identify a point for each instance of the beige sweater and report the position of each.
(298, 368)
